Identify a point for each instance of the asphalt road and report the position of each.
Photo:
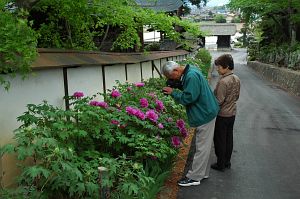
(266, 156)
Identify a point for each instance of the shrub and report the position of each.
(204, 56)
(236, 20)
(220, 19)
(202, 60)
(134, 124)
(155, 46)
(238, 44)
(284, 55)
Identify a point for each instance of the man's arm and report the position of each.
(191, 91)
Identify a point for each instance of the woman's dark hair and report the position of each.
(225, 61)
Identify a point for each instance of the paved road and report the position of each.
(266, 157)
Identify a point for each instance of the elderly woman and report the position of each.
(227, 92)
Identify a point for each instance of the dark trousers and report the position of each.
(223, 140)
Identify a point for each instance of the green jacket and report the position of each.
(199, 100)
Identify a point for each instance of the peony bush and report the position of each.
(135, 132)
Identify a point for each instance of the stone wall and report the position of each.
(284, 77)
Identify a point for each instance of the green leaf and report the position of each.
(80, 187)
(82, 133)
(35, 171)
(24, 152)
(9, 148)
(92, 188)
(130, 188)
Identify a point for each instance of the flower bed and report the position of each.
(170, 187)
(135, 132)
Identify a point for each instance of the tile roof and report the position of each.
(160, 5)
(216, 29)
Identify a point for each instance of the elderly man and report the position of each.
(201, 108)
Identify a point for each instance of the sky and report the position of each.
(212, 3)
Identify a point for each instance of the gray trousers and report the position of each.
(204, 139)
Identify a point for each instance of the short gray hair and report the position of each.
(168, 67)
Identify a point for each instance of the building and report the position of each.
(222, 30)
(161, 5)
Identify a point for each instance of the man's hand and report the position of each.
(167, 90)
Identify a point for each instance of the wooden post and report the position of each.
(104, 192)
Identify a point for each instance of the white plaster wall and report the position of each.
(1, 170)
(157, 64)
(163, 61)
(113, 73)
(147, 70)
(43, 85)
(192, 54)
(134, 73)
(180, 57)
(175, 58)
(87, 79)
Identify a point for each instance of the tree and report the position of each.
(69, 24)
(278, 19)
(17, 44)
(74, 24)
(197, 3)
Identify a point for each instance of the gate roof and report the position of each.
(217, 29)
(160, 5)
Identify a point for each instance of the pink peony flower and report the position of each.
(151, 115)
(160, 125)
(102, 104)
(139, 84)
(144, 103)
(169, 119)
(180, 123)
(116, 122)
(78, 94)
(159, 105)
(139, 114)
(115, 93)
(130, 110)
(135, 112)
(176, 141)
(153, 95)
(184, 132)
(93, 103)
(129, 88)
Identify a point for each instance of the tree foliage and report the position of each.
(277, 19)
(276, 27)
(74, 24)
(197, 2)
(17, 44)
(70, 24)
(63, 24)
